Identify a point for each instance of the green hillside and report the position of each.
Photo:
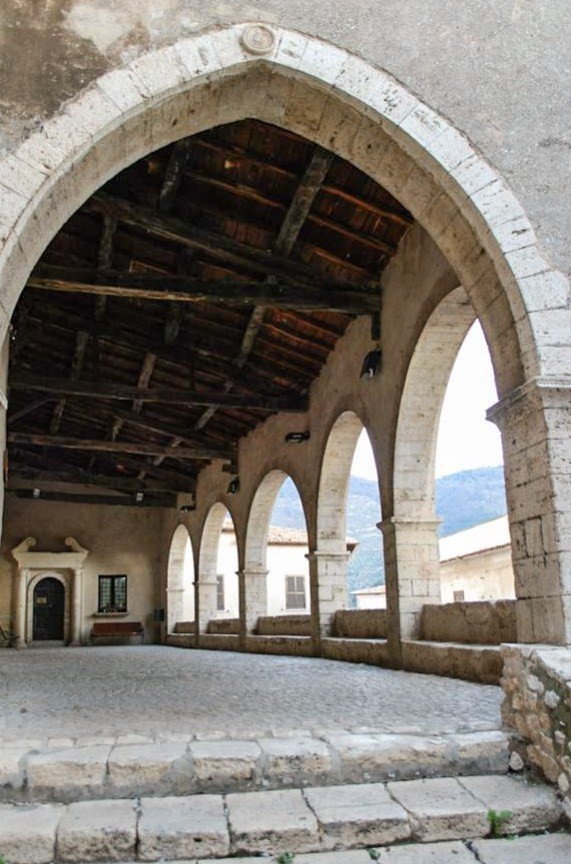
(462, 500)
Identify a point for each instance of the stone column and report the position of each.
(206, 610)
(535, 422)
(20, 622)
(174, 607)
(76, 606)
(328, 581)
(253, 584)
(412, 574)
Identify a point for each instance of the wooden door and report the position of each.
(49, 608)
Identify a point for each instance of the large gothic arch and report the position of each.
(365, 116)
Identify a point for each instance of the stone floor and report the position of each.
(157, 691)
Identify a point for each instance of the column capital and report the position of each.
(552, 389)
(393, 523)
(317, 555)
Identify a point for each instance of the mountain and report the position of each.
(463, 499)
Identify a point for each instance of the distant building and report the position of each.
(288, 572)
(475, 564)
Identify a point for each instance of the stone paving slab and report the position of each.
(533, 807)
(272, 822)
(183, 828)
(156, 769)
(441, 809)
(97, 831)
(541, 849)
(225, 764)
(295, 761)
(358, 815)
(64, 775)
(28, 832)
(427, 853)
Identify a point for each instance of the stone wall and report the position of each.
(481, 623)
(284, 625)
(226, 626)
(537, 705)
(360, 624)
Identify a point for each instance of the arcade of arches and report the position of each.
(241, 264)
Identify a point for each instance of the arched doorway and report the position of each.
(180, 580)
(49, 610)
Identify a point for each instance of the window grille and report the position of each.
(112, 594)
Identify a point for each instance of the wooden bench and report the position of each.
(117, 630)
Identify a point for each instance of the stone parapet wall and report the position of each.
(537, 705)
(477, 623)
(284, 625)
(184, 627)
(360, 624)
(227, 626)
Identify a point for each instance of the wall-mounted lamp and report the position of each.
(36, 493)
(371, 364)
(233, 486)
(296, 437)
(187, 508)
(139, 497)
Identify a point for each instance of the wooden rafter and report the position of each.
(95, 445)
(81, 343)
(20, 477)
(332, 297)
(168, 396)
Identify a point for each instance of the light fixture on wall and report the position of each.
(371, 364)
(139, 497)
(297, 437)
(36, 493)
(233, 486)
(187, 508)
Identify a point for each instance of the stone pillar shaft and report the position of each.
(76, 604)
(535, 422)
(328, 580)
(253, 586)
(20, 617)
(411, 573)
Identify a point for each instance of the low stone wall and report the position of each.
(375, 653)
(225, 626)
(184, 627)
(482, 664)
(477, 623)
(360, 624)
(537, 705)
(284, 625)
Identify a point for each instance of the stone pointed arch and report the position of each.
(367, 117)
(180, 579)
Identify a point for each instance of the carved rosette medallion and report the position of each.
(258, 39)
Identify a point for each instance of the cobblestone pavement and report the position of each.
(161, 691)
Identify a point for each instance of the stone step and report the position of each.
(297, 821)
(55, 771)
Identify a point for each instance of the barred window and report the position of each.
(295, 592)
(458, 596)
(112, 594)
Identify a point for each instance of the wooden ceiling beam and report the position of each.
(81, 342)
(161, 428)
(95, 445)
(344, 298)
(168, 396)
(331, 188)
(164, 500)
(20, 476)
(173, 174)
(218, 246)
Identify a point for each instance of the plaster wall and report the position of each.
(119, 539)
(501, 71)
(486, 576)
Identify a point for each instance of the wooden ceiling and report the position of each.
(200, 291)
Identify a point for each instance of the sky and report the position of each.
(465, 438)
